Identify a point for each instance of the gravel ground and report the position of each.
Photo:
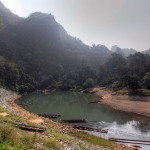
(4, 97)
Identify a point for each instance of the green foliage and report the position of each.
(13, 78)
(122, 91)
(115, 85)
(133, 82)
(59, 136)
(92, 139)
(35, 138)
(129, 73)
(51, 143)
(146, 80)
(9, 74)
(89, 83)
(42, 55)
(14, 139)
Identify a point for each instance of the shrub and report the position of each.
(15, 138)
(51, 143)
(89, 83)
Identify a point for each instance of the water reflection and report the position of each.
(75, 106)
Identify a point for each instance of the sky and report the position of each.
(125, 23)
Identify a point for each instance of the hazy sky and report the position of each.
(125, 23)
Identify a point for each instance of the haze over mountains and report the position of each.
(44, 52)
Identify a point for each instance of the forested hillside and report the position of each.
(37, 53)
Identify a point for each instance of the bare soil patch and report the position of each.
(4, 114)
(127, 103)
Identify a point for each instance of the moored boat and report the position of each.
(75, 120)
(49, 115)
(95, 101)
(30, 128)
(89, 129)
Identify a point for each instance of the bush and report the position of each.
(116, 84)
(146, 80)
(89, 83)
(51, 143)
(13, 138)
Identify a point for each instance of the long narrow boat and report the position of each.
(49, 115)
(95, 101)
(75, 120)
(30, 128)
(114, 139)
(142, 142)
(25, 104)
(136, 146)
(89, 129)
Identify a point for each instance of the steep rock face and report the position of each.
(7, 18)
(32, 43)
(41, 47)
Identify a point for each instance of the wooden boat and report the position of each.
(49, 115)
(75, 120)
(30, 128)
(95, 101)
(25, 104)
(89, 129)
(114, 139)
(130, 141)
(136, 146)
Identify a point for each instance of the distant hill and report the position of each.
(146, 52)
(125, 52)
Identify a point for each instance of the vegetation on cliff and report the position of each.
(37, 53)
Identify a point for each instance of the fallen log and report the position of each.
(75, 120)
(30, 128)
(89, 129)
(49, 115)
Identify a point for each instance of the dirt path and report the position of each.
(134, 104)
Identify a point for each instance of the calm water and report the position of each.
(75, 106)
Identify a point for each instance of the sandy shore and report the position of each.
(133, 104)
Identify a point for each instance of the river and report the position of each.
(73, 105)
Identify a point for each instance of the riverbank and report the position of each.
(60, 136)
(6, 96)
(126, 103)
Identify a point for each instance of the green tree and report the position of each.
(146, 80)
(133, 83)
(89, 83)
